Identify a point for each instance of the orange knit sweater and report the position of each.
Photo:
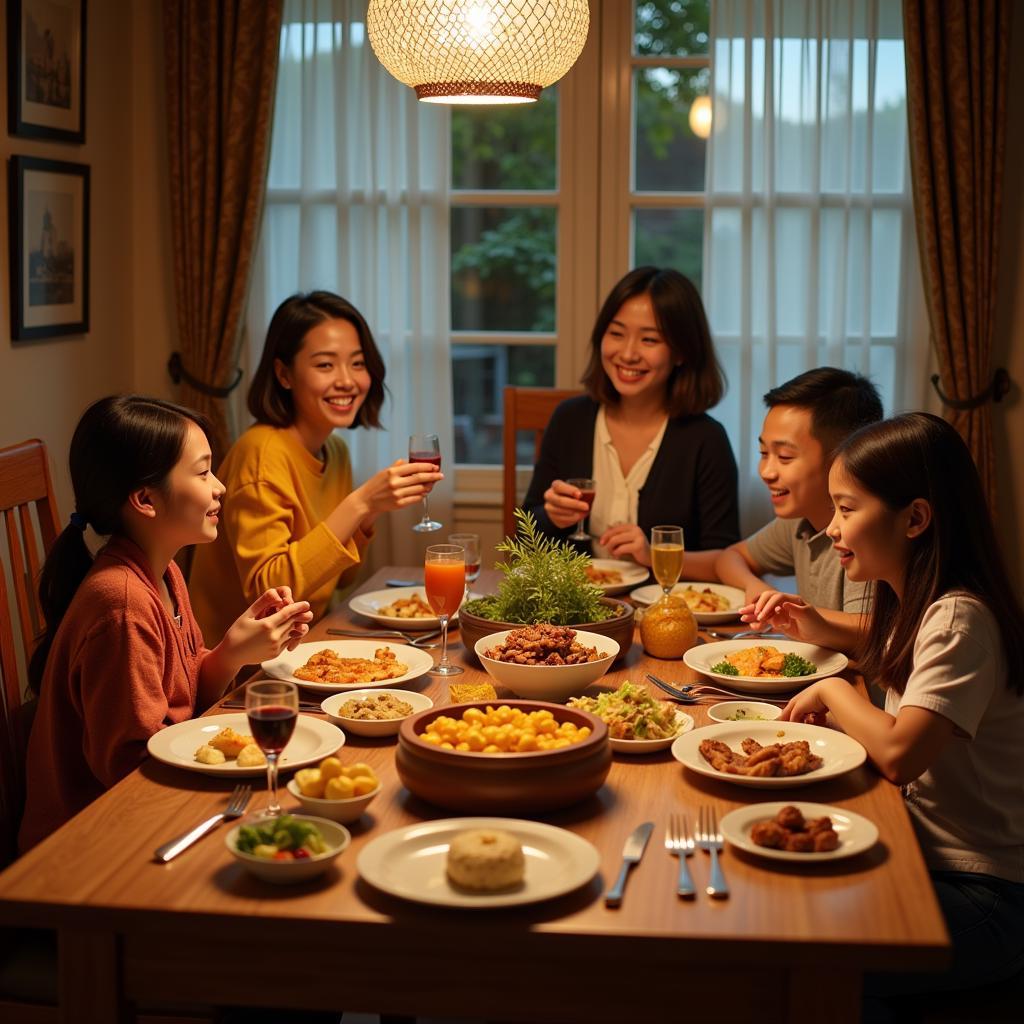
(119, 670)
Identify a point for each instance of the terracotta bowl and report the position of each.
(620, 628)
(530, 782)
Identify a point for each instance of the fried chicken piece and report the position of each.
(719, 755)
(769, 753)
(815, 825)
(799, 842)
(763, 769)
(791, 818)
(768, 833)
(826, 840)
(750, 746)
(773, 662)
(797, 758)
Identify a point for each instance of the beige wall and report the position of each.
(45, 385)
(1009, 344)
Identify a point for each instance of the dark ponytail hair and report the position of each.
(121, 443)
(918, 455)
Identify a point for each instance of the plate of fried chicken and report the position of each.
(769, 755)
(802, 832)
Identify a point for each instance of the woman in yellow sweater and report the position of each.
(291, 514)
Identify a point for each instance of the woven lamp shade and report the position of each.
(478, 51)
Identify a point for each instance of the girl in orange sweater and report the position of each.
(123, 656)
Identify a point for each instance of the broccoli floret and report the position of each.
(248, 839)
(794, 665)
(724, 668)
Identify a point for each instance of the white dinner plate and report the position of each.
(369, 604)
(736, 598)
(684, 723)
(839, 752)
(312, 741)
(411, 863)
(828, 663)
(632, 574)
(285, 665)
(856, 834)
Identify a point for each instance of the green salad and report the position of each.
(631, 713)
(282, 838)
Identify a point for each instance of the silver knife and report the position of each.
(631, 854)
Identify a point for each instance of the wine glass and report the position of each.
(444, 579)
(425, 448)
(667, 556)
(272, 707)
(586, 487)
(470, 542)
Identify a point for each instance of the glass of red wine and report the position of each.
(587, 489)
(272, 707)
(470, 543)
(425, 448)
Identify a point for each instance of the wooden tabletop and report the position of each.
(800, 935)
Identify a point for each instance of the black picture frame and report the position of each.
(46, 69)
(49, 239)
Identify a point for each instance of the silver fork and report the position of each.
(710, 839)
(678, 841)
(412, 639)
(235, 809)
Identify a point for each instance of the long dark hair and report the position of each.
(271, 403)
(699, 382)
(121, 443)
(918, 455)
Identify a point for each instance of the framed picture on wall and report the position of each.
(49, 231)
(46, 69)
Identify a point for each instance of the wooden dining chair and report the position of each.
(525, 409)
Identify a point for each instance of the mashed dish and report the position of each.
(486, 860)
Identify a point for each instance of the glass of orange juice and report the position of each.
(444, 579)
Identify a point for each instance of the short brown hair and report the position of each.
(271, 403)
(695, 385)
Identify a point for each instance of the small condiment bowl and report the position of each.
(373, 726)
(289, 872)
(743, 711)
(345, 811)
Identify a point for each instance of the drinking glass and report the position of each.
(425, 448)
(470, 542)
(667, 555)
(272, 707)
(586, 488)
(444, 579)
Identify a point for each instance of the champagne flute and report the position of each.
(444, 579)
(425, 448)
(272, 707)
(667, 556)
(587, 488)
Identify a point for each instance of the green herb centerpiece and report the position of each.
(544, 581)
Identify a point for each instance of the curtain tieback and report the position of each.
(997, 390)
(176, 368)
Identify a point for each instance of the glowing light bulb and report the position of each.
(700, 117)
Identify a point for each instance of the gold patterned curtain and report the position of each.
(221, 65)
(957, 54)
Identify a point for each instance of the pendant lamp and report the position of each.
(478, 51)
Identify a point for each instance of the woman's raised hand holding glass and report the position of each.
(587, 490)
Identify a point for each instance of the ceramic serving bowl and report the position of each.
(372, 726)
(513, 783)
(345, 811)
(618, 628)
(289, 872)
(548, 682)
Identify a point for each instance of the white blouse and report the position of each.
(616, 497)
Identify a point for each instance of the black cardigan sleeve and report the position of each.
(566, 450)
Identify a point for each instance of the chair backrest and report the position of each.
(24, 485)
(525, 409)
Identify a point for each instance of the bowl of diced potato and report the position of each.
(340, 792)
(518, 756)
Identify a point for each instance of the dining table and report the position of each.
(790, 943)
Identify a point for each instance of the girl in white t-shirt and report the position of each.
(945, 641)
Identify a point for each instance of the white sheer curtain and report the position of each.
(810, 251)
(357, 203)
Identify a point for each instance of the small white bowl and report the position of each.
(548, 682)
(345, 811)
(373, 726)
(684, 723)
(288, 872)
(743, 711)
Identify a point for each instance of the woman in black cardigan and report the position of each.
(642, 430)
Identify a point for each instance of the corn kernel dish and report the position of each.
(503, 730)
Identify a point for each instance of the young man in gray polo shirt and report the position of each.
(807, 418)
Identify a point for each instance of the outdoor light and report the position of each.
(478, 51)
(700, 117)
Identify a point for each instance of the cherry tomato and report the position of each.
(284, 855)
(301, 853)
